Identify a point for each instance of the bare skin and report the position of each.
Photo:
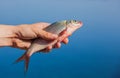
(21, 36)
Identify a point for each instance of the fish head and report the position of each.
(73, 25)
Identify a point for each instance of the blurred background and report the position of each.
(93, 50)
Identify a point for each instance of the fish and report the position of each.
(67, 26)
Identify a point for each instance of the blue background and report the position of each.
(93, 51)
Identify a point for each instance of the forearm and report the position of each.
(5, 42)
(7, 32)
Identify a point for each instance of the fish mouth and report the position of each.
(80, 23)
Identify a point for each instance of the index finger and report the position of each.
(42, 25)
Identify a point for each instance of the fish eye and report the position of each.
(75, 21)
(70, 21)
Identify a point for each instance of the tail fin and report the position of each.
(26, 59)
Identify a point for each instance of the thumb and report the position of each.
(46, 35)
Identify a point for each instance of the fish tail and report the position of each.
(25, 57)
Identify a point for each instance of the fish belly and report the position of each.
(40, 44)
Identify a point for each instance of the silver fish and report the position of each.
(56, 28)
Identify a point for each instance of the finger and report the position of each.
(41, 25)
(58, 45)
(22, 44)
(63, 32)
(63, 36)
(46, 50)
(38, 29)
(46, 35)
(49, 48)
(65, 41)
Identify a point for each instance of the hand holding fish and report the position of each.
(24, 34)
(27, 33)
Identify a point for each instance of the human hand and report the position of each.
(26, 33)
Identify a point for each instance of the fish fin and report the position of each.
(26, 59)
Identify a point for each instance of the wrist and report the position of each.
(5, 42)
(7, 33)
